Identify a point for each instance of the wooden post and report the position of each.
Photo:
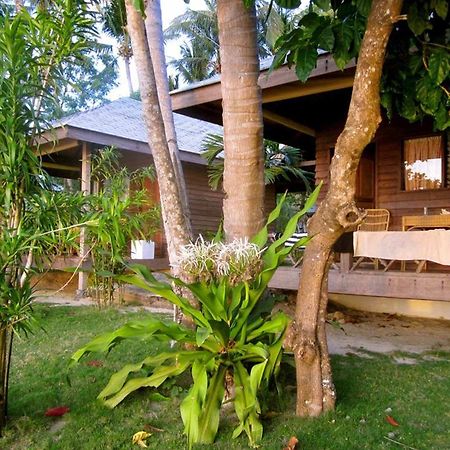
(346, 262)
(86, 190)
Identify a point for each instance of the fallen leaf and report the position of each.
(292, 444)
(95, 363)
(139, 438)
(392, 421)
(151, 428)
(57, 411)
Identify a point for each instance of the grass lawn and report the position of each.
(417, 396)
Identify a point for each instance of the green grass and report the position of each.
(417, 394)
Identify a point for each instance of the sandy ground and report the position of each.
(386, 333)
(357, 332)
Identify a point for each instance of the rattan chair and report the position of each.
(375, 220)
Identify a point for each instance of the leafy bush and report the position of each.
(122, 212)
(235, 336)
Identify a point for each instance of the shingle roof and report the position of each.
(124, 118)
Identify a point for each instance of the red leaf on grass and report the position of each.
(95, 363)
(292, 444)
(392, 421)
(57, 412)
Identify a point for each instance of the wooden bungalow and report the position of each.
(406, 170)
(66, 153)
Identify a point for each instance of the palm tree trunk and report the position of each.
(175, 222)
(153, 27)
(338, 211)
(126, 60)
(243, 179)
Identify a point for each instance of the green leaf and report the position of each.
(326, 39)
(418, 19)
(344, 34)
(428, 95)
(201, 336)
(118, 379)
(439, 65)
(441, 8)
(324, 5)
(288, 4)
(305, 62)
(210, 414)
(363, 7)
(191, 406)
(139, 5)
(276, 325)
(159, 375)
(442, 117)
(246, 405)
(135, 330)
(260, 238)
(145, 280)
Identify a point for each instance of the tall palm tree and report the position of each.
(175, 221)
(155, 40)
(243, 178)
(115, 25)
(200, 58)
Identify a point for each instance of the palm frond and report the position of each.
(280, 161)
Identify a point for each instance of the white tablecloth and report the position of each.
(432, 245)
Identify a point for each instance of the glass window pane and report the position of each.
(423, 159)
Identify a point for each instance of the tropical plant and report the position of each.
(122, 212)
(84, 83)
(33, 49)
(280, 161)
(199, 50)
(235, 334)
(115, 25)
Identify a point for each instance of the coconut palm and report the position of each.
(280, 161)
(199, 50)
(115, 25)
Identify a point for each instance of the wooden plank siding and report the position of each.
(205, 205)
(388, 173)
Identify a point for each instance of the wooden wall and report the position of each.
(205, 204)
(388, 170)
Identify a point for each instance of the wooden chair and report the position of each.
(375, 220)
(296, 255)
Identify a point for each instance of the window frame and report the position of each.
(445, 166)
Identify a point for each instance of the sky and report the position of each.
(169, 9)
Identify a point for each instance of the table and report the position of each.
(430, 245)
(431, 221)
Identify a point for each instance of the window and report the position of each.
(424, 163)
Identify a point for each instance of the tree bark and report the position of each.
(175, 222)
(243, 179)
(153, 27)
(126, 60)
(337, 212)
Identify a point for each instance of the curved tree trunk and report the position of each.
(153, 26)
(175, 222)
(243, 178)
(338, 211)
